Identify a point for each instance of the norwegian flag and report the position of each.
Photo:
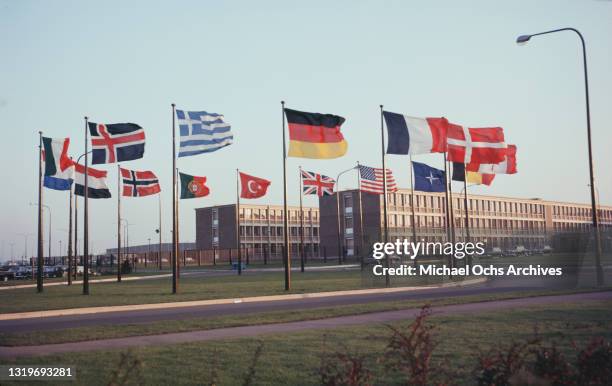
(314, 183)
(139, 183)
(116, 142)
(483, 145)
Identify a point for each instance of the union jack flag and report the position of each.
(314, 183)
(139, 183)
(116, 142)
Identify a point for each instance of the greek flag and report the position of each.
(202, 132)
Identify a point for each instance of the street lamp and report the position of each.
(340, 236)
(523, 39)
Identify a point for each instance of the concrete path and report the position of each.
(211, 302)
(249, 331)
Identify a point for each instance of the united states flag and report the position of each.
(202, 132)
(314, 183)
(372, 180)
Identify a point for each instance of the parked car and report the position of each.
(6, 273)
(53, 271)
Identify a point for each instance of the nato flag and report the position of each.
(428, 179)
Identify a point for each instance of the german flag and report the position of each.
(314, 135)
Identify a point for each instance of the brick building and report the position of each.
(500, 222)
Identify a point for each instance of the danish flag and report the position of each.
(483, 145)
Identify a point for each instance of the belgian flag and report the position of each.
(314, 135)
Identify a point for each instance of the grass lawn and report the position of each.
(169, 326)
(190, 288)
(294, 359)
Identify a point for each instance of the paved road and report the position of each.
(248, 331)
(147, 316)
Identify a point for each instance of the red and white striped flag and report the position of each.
(372, 180)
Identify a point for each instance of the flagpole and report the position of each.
(452, 214)
(412, 216)
(238, 238)
(386, 220)
(40, 258)
(76, 234)
(178, 234)
(286, 252)
(160, 230)
(174, 238)
(465, 204)
(119, 223)
(70, 233)
(301, 223)
(86, 216)
(446, 201)
(362, 238)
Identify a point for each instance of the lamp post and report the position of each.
(524, 39)
(340, 236)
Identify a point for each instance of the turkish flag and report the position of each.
(253, 187)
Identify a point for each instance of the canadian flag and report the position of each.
(253, 187)
(482, 145)
(507, 166)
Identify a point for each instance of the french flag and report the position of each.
(410, 135)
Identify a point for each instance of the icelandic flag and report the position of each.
(202, 132)
(59, 170)
(116, 142)
(410, 135)
(428, 179)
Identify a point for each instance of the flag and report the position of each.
(116, 142)
(483, 145)
(410, 135)
(314, 135)
(472, 177)
(428, 179)
(314, 183)
(202, 132)
(507, 166)
(193, 186)
(138, 183)
(96, 182)
(372, 180)
(59, 170)
(253, 187)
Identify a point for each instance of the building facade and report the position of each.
(499, 222)
(261, 229)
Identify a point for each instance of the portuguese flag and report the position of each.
(193, 186)
(314, 135)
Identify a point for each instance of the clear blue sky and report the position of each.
(118, 61)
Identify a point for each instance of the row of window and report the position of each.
(249, 230)
(475, 204)
(399, 221)
(277, 214)
(277, 248)
(573, 211)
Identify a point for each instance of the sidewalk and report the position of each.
(195, 303)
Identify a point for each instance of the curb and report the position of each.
(195, 303)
